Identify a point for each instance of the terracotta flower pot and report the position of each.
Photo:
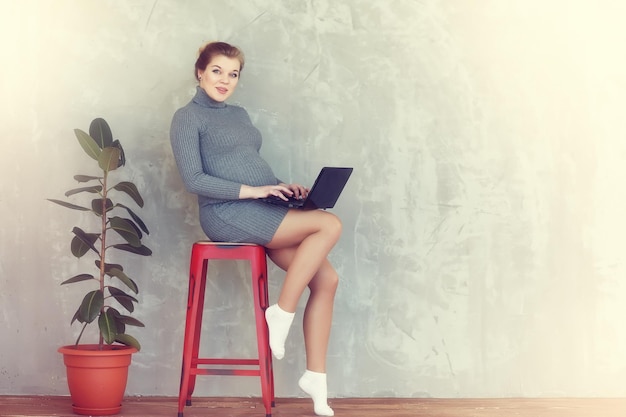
(97, 378)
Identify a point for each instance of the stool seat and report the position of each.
(201, 253)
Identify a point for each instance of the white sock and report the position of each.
(278, 321)
(314, 384)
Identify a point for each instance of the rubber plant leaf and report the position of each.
(96, 205)
(68, 205)
(142, 250)
(108, 267)
(114, 272)
(88, 144)
(109, 159)
(100, 131)
(121, 327)
(126, 230)
(131, 321)
(124, 299)
(78, 247)
(130, 189)
(92, 189)
(91, 306)
(137, 229)
(128, 340)
(76, 317)
(118, 145)
(137, 219)
(108, 329)
(78, 278)
(87, 239)
(85, 178)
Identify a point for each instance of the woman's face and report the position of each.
(220, 77)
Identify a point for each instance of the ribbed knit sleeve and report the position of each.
(185, 139)
(216, 149)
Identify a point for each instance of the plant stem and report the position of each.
(103, 247)
(81, 333)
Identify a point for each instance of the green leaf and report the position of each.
(87, 239)
(68, 205)
(91, 306)
(100, 131)
(108, 329)
(124, 299)
(132, 224)
(121, 327)
(78, 278)
(118, 145)
(126, 230)
(85, 178)
(109, 159)
(78, 247)
(114, 311)
(136, 218)
(96, 205)
(108, 267)
(76, 317)
(137, 229)
(131, 321)
(114, 272)
(141, 250)
(92, 189)
(88, 144)
(128, 340)
(130, 189)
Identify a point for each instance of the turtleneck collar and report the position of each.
(203, 99)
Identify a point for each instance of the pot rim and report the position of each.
(93, 350)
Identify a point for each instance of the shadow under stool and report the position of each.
(201, 253)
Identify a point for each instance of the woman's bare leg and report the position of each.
(309, 236)
(319, 308)
(318, 316)
(317, 324)
(312, 234)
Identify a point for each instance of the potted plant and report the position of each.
(92, 386)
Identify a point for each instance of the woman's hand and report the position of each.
(298, 191)
(281, 191)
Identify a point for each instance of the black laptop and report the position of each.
(324, 192)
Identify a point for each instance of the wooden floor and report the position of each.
(19, 406)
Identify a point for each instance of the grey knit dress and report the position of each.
(216, 148)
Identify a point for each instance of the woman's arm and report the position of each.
(185, 140)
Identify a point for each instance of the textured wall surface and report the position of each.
(484, 227)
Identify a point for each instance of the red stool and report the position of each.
(201, 253)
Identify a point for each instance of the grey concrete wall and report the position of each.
(482, 253)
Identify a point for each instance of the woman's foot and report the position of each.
(314, 384)
(278, 321)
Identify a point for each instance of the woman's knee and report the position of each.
(326, 280)
(332, 224)
(333, 281)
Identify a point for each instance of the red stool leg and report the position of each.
(198, 325)
(265, 340)
(258, 264)
(197, 282)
